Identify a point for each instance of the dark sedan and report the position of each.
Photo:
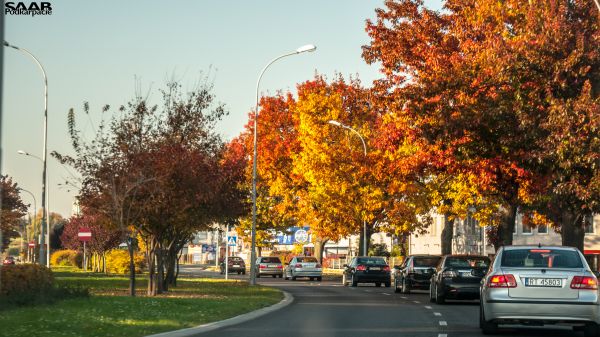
(458, 277)
(235, 264)
(415, 273)
(364, 269)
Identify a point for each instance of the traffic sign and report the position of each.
(232, 240)
(31, 244)
(85, 234)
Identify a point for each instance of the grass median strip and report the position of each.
(110, 312)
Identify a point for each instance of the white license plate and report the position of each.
(236, 265)
(272, 266)
(374, 268)
(543, 282)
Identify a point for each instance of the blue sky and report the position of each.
(94, 51)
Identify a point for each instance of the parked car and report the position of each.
(458, 277)
(269, 265)
(9, 260)
(415, 273)
(365, 269)
(303, 266)
(235, 264)
(537, 285)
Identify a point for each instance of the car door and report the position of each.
(348, 270)
(437, 272)
(404, 269)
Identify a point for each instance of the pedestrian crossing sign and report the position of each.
(232, 240)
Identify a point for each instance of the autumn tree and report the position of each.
(13, 209)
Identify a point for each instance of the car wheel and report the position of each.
(273, 276)
(285, 276)
(405, 286)
(292, 276)
(591, 330)
(431, 297)
(388, 284)
(244, 272)
(439, 299)
(257, 275)
(487, 327)
(378, 284)
(320, 278)
(354, 281)
(239, 272)
(280, 275)
(396, 290)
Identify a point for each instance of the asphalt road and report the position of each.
(327, 309)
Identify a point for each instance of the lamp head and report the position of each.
(336, 123)
(22, 152)
(306, 48)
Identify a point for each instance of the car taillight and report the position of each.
(317, 266)
(584, 282)
(298, 265)
(449, 273)
(386, 268)
(262, 266)
(502, 281)
(279, 267)
(361, 267)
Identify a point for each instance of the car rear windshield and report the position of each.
(306, 259)
(468, 262)
(236, 259)
(426, 261)
(270, 260)
(541, 258)
(371, 261)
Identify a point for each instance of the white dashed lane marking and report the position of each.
(443, 335)
(443, 323)
(427, 307)
(417, 302)
(437, 314)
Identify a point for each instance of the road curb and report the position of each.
(287, 300)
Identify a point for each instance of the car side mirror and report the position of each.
(346, 266)
(596, 273)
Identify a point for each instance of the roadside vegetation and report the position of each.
(109, 311)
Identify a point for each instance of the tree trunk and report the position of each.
(160, 270)
(507, 226)
(573, 230)
(447, 234)
(319, 248)
(131, 269)
(361, 240)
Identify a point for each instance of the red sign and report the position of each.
(85, 234)
(31, 244)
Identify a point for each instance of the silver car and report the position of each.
(303, 266)
(536, 285)
(269, 266)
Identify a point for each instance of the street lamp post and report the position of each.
(34, 211)
(336, 123)
(306, 48)
(44, 153)
(45, 212)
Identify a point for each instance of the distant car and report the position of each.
(365, 269)
(458, 277)
(415, 273)
(538, 285)
(269, 266)
(235, 264)
(303, 266)
(9, 260)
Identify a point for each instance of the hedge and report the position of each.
(67, 257)
(25, 283)
(117, 262)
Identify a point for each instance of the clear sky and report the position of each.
(94, 50)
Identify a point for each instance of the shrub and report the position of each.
(25, 283)
(117, 262)
(67, 257)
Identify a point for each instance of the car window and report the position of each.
(235, 259)
(307, 259)
(270, 260)
(371, 261)
(542, 258)
(467, 262)
(428, 261)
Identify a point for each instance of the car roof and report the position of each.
(538, 247)
(466, 255)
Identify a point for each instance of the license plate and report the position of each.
(543, 282)
(374, 268)
(236, 265)
(272, 266)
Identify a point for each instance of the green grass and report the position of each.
(109, 312)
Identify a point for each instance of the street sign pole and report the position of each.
(84, 258)
(227, 253)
